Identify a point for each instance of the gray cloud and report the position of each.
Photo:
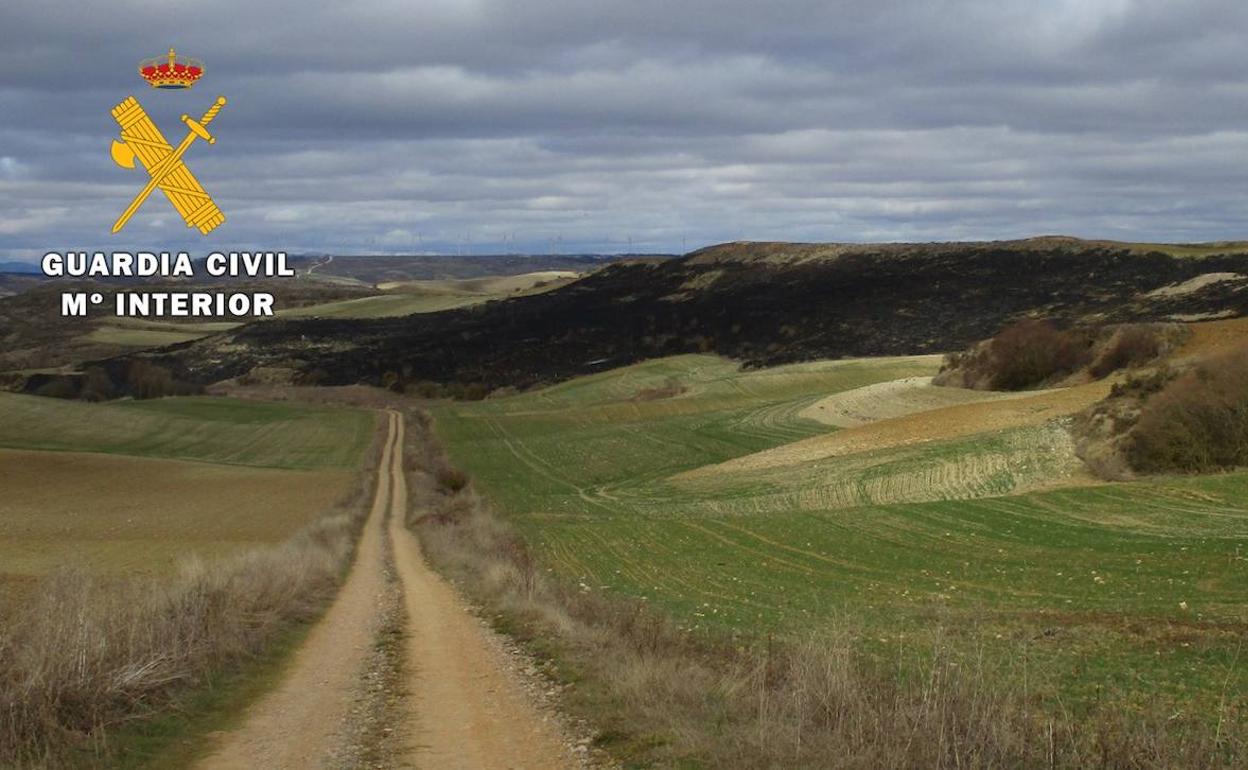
(486, 125)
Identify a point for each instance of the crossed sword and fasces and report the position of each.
(142, 139)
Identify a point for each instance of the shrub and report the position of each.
(1034, 352)
(1197, 423)
(314, 376)
(670, 388)
(451, 480)
(1031, 352)
(392, 381)
(58, 387)
(1024, 355)
(1130, 345)
(426, 389)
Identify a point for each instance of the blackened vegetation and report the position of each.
(763, 304)
(137, 378)
(34, 334)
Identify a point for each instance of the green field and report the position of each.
(584, 445)
(1132, 589)
(205, 429)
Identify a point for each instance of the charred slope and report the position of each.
(763, 304)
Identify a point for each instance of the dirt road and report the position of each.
(466, 708)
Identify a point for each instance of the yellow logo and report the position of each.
(140, 138)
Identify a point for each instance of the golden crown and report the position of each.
(171, 71)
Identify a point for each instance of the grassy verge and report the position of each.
(95, 664)
(179, 734)
(675, 694)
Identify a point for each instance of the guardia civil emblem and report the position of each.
(141, 140)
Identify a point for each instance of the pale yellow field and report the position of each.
(921, 427)
(895, 398)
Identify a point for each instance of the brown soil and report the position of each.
(469, 708)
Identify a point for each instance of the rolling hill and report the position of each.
(961, 522)
(760, 304)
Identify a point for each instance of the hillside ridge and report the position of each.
(781, 304)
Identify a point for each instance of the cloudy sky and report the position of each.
(392, 126)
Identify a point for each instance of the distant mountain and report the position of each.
(18, 267)
(760, 303)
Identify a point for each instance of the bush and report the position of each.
(1196, 423)
(58, 387)
(1031, 352)
(1024, 355)
(1130, 345)
(426, 389)
(1034, 352)
(392, 381)
(451, 480)
(670, 388)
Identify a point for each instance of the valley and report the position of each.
(659, 481)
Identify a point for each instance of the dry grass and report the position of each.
(1213, 338)
(87, 655)
(666, 697)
